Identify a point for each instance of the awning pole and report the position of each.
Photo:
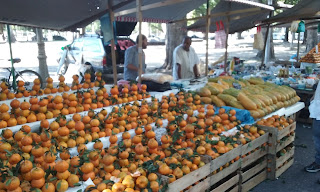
(113, 53)
(207, 36)
(298, 50)
(139, 19)
(226, 53)
(14, 85)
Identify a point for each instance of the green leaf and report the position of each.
(59, 185)
(108, 181)
(77, 184)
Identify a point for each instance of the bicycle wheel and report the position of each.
(28, 76)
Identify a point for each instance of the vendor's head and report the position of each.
(186, 43)
(144, 41)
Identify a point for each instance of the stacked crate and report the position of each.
(280, 150)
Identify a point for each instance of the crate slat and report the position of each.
(284, 168)
(284, 158)
(254, 144)
(228, 184)
(253, 157)
(204, 171)
(253, 171)
(213, 179)
(282, 133)
(285, 143)
(253, 182)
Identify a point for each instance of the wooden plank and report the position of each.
(284, 158)
(213, 179)
(254, 170)
(285, 143)
(253, 182)
(150, 6)
(140, 51)
(235, 189)
(253, 157)
(207, 36)
(286, 131)
(204, 171)
(284, 168)
(228, 184)
(113, 53)
(254, 144)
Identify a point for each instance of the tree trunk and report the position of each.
(312, 39)
(43, 67)
(271, 51)
(239, 35)
(286, 37)
(305, 36)
(174, 37)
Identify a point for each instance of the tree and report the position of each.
(43, 67)
(312, 39)
(174, 36)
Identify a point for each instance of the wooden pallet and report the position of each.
(205, 174)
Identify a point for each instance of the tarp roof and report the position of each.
(246, 15)
(305, 9)
(72, 14)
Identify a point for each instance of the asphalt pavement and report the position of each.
(295, 179)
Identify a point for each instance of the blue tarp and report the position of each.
(243, 115)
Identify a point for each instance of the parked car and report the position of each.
(58, 38)
(90, 50)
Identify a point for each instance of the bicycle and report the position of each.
(28, 76)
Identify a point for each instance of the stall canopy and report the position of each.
(305, 9)
(72, 14)
(242, 15)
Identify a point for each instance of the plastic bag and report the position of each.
(294, 26)
(220, 36)
(314, 104)
(258, 42)
(243, 115)
(156, 77)
(301, 27)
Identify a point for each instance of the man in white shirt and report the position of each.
(185, 61)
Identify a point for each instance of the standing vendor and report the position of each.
(185, 61)
(131, 60)
(315, 114)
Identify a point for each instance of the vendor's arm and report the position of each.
(132, 67)
(179, 70)
(196, 60)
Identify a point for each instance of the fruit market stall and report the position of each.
(176, 140)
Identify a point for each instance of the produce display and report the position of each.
(53, 106)
(255, 95)
(136, 161)
(276, 121)
(312, 56)
(6, 93)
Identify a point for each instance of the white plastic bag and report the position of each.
(220, 36)
(294, 26)
(258, 42)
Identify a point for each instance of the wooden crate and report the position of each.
(278, 165)
(254, 175)
(253, 165)
(207, 178)
(276, 135)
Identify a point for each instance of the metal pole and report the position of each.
(298, 50)
(226, 53)
(14, 84)
(207, 36)
(139, 19)
(113, 53)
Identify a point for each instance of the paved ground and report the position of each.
(295, 179)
